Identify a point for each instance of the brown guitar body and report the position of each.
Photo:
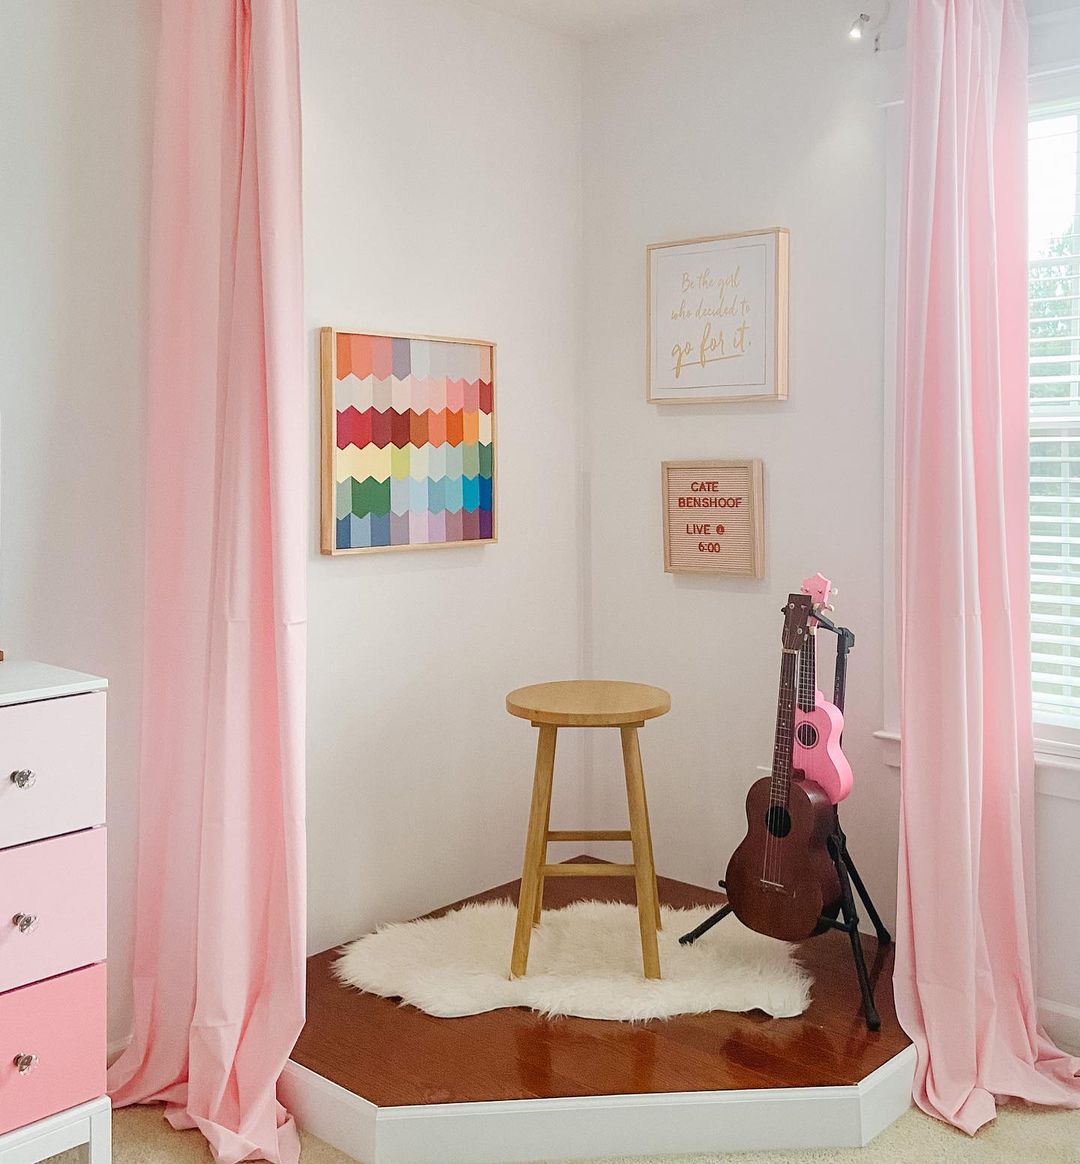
(781, 880)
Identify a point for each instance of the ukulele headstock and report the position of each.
(819, 588)
(797, 611)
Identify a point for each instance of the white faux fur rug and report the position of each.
(585, 960)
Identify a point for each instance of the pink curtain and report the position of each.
(220, 918)
(965, 986)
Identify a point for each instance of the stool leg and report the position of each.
(652, 858)
(543, 858)
(644, 873)
(535, 848)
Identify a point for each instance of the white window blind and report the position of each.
(1054, 299)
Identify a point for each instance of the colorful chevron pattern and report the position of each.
(413, 442)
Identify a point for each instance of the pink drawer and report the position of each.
(60, 743)
(56, 890)
(62, 1023)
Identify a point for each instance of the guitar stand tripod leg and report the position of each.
(845, 640)
(851, 926)
(883, 936)
(690, 938)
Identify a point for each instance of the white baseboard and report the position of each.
(513, 1132)
(1062, 1023)
(116, 1048)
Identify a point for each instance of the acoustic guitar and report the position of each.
(819, 724)
(781, 880)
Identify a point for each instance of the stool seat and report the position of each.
(588, 703)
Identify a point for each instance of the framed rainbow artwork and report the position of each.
(408, 438)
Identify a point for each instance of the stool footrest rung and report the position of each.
(600, 869)
(589, 835)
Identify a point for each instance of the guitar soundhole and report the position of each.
(807, 734)
(778, 820)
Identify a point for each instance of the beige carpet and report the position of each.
(1020, 1134)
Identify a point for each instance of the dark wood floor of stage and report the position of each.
(394, 1055)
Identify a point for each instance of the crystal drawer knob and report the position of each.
(24, 1064)
(25, 923)
(24, 778)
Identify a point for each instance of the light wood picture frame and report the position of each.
(408, 442)
(714, 517)
(716, 311)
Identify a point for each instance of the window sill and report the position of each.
(1057, 764)
(890, 747)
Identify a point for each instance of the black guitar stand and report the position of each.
(846, 872)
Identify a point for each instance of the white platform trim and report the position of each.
(517, 1131)
(89, 1123)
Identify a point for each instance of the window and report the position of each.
(1054, 298)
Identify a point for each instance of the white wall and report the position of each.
(1057, 825)
(763, 114)
(442, 196)
(74, 154)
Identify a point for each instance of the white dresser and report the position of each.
(52, 914)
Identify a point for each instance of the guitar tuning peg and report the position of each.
(834, 591)
(830, 607)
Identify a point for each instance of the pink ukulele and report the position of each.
(818, 723)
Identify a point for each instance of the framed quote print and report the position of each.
(714, 518)
(717, 319)
(408, 442)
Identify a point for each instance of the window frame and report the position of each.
(1056, 730)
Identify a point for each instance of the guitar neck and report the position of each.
(785, 729)
(808, 674)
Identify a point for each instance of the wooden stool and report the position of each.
(588, 703)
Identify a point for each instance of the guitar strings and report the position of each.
(765, 853)
(798, 759)
(785, 783)
(773, 854)
(771, 843)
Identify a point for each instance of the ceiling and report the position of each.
(590, 19)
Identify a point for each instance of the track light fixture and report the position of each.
(868, 24)
(857, 26)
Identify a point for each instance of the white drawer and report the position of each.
(58, 1026)
(52, 907)
(52, 767)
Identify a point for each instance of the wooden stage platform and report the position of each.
(372, 1057)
